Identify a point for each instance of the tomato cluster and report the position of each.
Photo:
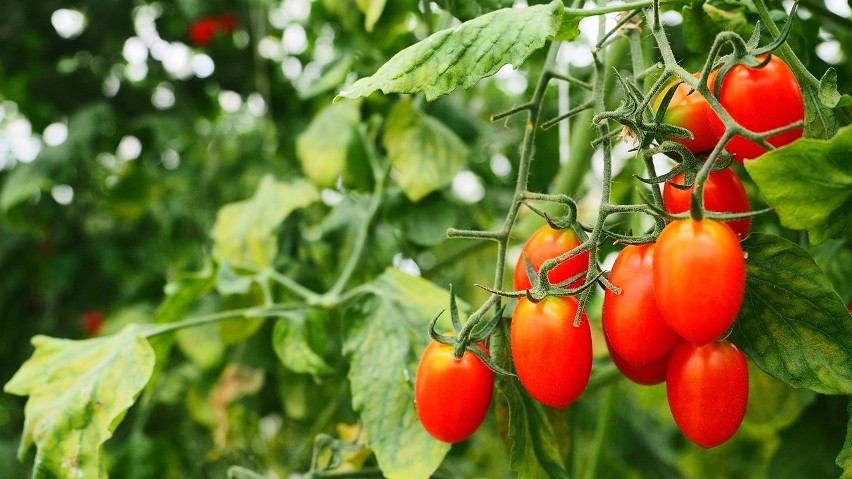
(203, 30)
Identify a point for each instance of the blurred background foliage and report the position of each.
(124, 128)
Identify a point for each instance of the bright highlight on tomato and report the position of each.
(760, 99)
(452, 395)
(707, 388)
(699, 278)
(632, 322)
(723, 193)
(547, 243)
(689, 109)
(553, 358)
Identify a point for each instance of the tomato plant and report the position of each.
(723, 193)
(452, 394)
(760, 99)
(699, 278)
(547, 243)
(632, 322)
(552, 357)
(689, 109)
(707, 389)
(646, 374)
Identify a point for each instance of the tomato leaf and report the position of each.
(426, 154)
(78, 393)
(844, 459)
(372, 10)
(461, 56)
(834, 257)
(292, 340)
(469, 9)
(789, 307)
(826, 110)
(324, 146)
(809, 183)
(384, 334)
(243, 233)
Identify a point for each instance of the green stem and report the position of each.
(624, 7)
(257, 312)
(602, 427)
(784, 51)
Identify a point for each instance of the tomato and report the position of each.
(553, 358)
(760, 99)
(452, 395)
(92, 322)
(707, 388)
(689, 109)
(202, 31)
(547, 243)
(723, 193)
(699, 278)
(647, 374)
(632, 322)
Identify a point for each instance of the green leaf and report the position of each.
(834, 257)
(78, 393)
(324, 146)
(469, 9)
(292, 339)
(229, 282)
(23, 183)
(385, 332)
(844, 459)
(703, 21)
(809, 445)
(425, 153)
(463, 55)
(244, 233)
(809, 183)
(792, 324)
(372, 10)
(826, 110)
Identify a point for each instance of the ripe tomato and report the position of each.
(553, 359)
(699, 278)
(689, 109)
(547, 243)
(707, 388)
(723, 193)
(202, 30)
(760, 99)
(647, 374)
(92, 322)
(632, 322)
(452, 395)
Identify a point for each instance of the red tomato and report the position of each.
(632, 322)
(760, 99)
(553, 359)
(547, 243)
(202, 31)
(690, 110)
(723, 193)
(227, 22)
(699, 278)
(452, 395)
(92, 322)
(646, 374)
(707, 388)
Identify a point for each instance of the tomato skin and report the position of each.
(92, 322)
(760, 99)
(632, 322)
(452, 395)
(553, 359)
(547, 243)
(699, 278)
(707, 389)
(723, 192)
(690, 110)
(202, 30)
(647, 374)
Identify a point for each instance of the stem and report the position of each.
(255, 312)
(602, 427)
(624, 7)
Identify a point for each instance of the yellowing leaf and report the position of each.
(78, 393)
(324, 146)
(244, 233)
(425, 153)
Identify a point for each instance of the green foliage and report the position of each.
(78, 392)
(323, 147)
(470, 9)
(382, 340)
(789, 306)
(461, 56)
(809, 183)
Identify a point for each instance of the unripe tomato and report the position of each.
(723, 193)
(699, 278)
(689, 109)
(632, 322)
(547, 243)
(452, 395)
(760, 99)
(553, 358)
(647, 374)
(707, 388)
